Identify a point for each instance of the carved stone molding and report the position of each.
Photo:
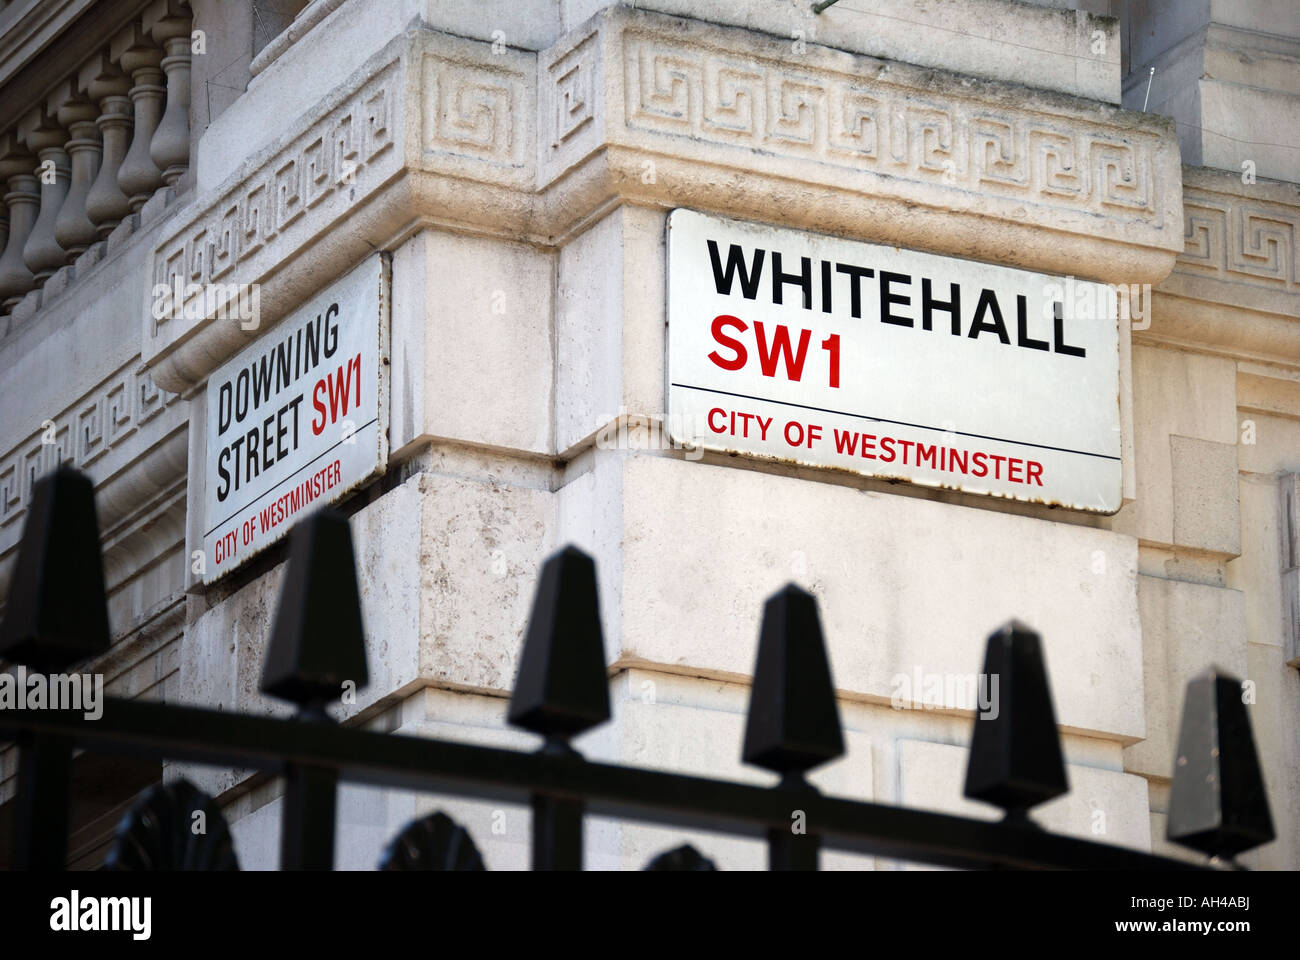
(289, 196)
(109, 428)
(651, 109)
(1236, 285)
(477, 112)
(725, 119)
(863, 118)
(1242, 235)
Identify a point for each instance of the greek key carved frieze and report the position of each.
(1241, 239)
(335, 154)
(864, 124)
(79, 435)
(476, 111)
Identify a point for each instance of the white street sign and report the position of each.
(892, 363)
(295, 420)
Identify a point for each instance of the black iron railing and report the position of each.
(56, 616)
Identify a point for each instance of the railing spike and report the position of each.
(317, 644)
(794, 721)
(1015, 753)
(59, 558)
(435, 842)
(173, 827)
(1217, 802)
(683, 858)
(562, 688)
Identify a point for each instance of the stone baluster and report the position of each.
(21, 199)
(106, 85)
(44, 137)
(168, 22)
(73, 228)
(139, 176)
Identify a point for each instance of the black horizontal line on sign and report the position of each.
(297, 470)
(901, 423)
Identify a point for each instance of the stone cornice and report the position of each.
(886, 138)
(1240, 242)
(653, 109)
(28, 26)
(1235, 288)
(125, 433)
(285, 200)
(42, 41)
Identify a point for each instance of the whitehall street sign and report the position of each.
(296, 420)
(892, 363)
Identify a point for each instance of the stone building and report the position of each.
(493, 181)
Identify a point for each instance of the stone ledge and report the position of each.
(1235, 288)
(658, 110)
(922, 138)
(127, 435)
(1107, 806)
(996, 39)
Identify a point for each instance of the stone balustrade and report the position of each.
(22, 201)
(105, 140)
(168, 23)
(107, 85)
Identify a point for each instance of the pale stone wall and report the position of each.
(518, 161)
(1226, 72)
(1222, 351)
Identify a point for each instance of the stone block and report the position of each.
(973, 38)
(91, 256)
(58, 282)
(26, 308)
(1188, 396)
(480, 551)
(1106, 806)
(121, 234)
(1186, 627)
(1263, 555)
(304, 76)
(610, 324)
(1249, 123)
(902, 583)
(1205, 498)
(472, 353)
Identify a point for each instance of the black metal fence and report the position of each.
(56, 616)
